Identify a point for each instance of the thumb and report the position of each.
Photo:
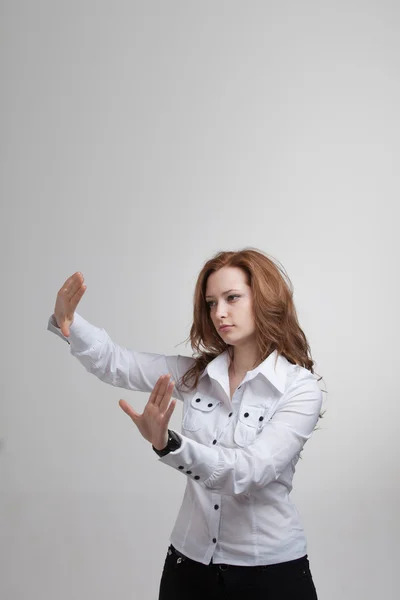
(129, 410)
(65, 329)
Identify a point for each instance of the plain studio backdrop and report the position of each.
(138, 139)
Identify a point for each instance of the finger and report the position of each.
(129, 410)
(75, 299)
(156, 390)
(169, 411)
(166, 397)
(163, 390)
(75, 284)
(72, 284)
(66, 283)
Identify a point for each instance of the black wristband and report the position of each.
(173, 443)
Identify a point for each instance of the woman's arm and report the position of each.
(235, 471)
(93, 347)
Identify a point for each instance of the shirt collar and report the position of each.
(275, 373)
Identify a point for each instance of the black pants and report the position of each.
(186, 579)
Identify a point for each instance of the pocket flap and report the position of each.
(252, 416)
(250, 422)
(204, 404)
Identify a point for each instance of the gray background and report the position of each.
(137, 139)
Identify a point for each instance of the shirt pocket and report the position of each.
(200, 413)
(250, 422)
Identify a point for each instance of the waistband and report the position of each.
(224, 567)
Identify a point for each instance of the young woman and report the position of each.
(250, 402)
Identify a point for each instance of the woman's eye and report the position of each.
(230, 298)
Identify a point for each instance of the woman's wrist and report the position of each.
(174, 442)
(162, 443)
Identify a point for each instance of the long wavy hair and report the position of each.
(277, 326)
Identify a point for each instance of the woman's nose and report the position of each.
(220, 310)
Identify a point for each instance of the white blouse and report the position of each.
(238, 456)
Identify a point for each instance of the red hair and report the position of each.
(277, 326)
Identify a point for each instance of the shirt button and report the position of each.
(189, 472)
(246, 415)
(181, 467)
(198, 399)
(230, 414)
(261, 419)
(209, 405)
(214, 442)
(215, 540)
(216, 506)
(196, 477)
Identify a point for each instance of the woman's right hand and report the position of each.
(67, 300)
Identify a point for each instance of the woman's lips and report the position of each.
(225, 327)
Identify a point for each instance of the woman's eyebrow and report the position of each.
(223, 293)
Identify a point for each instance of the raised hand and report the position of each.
(153, 422)
(67, 300)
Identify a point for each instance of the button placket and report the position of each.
(215, 517)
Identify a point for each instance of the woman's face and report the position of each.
(231, 305)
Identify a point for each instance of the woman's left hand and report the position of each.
(153, 422)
